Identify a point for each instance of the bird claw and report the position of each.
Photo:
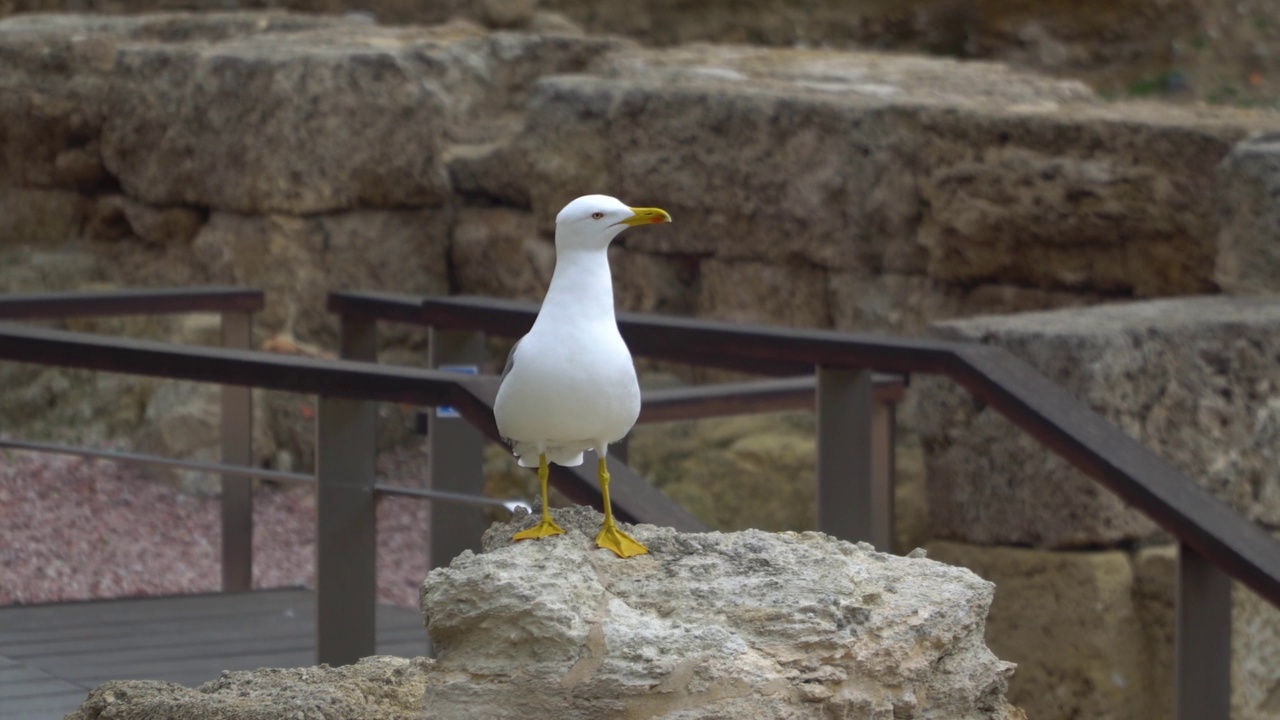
(622, 544)
(546, 528)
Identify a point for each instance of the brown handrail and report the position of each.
(47, 306)
(1015, 389)
(473, 396)
(729, 346)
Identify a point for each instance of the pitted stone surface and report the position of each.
(376, 688)
(1249, 203)
(1193, 379)
(747, 624)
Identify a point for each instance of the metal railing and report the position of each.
(345, 441)
(236, 307)
(855, 479)
(1215, 543)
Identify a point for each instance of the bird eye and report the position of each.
(597, 215)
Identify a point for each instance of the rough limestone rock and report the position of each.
(297, 260)
(1194, 379)
(719, 468)
(376, 688)
(1070, 622)
(776, 154)
(958, 187)
(710, 625)
(759, 471)
(906, 303)
(483, 243)
(1249, 201)
(261, 112)
(1126, 47)
(778, 293)
(314, 132)
(1155, 570)
(1114, 43)
(39, 217)
(647, 282)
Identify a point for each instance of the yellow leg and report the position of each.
(547, 527)
(610, 537)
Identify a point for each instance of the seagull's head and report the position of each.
(592, 221)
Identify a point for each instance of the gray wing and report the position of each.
(511, 362)
(511, 359)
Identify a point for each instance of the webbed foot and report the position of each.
(546, 528)
(622, 544)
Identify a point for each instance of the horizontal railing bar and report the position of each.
(158, 301)
(744, 398)
(1033, 402)
(708, 343)
(290, 373)
(472, 395)
(994, 376)
(1125, 466)
(451, 497)
(158, 460)
(382, 306)
(250, 472)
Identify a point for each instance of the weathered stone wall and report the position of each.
(296, 154)
(819, 188)
(307, 153)
(1206, 49)
(1088, 619)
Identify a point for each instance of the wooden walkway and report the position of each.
(52, 655)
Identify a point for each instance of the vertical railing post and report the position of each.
(854, 501)
(883, 468)
(1203, 645)
(455, 455)
(346, 539)
(237, 449)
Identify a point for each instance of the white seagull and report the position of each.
(570, 383)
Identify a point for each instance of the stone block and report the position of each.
(968, 174)
(713, 625)
(59, 74)
(792, 294)
(492, 171)
(1255, 638)
(300, 123)
(1248, 259)
(262, 113)
(906, 303)
(1069, 621)
(1155, 576)
(40, 218)
(297, 260)
(1112, 201)
(1193, 379)
(497, 251)
(653, 282)
(734, 473)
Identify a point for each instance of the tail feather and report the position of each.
(527, 455)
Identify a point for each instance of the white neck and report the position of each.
(581, 287)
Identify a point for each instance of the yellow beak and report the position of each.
(647, 216)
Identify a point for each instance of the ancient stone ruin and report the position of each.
(814, 187)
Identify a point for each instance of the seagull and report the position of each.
(570, 383)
